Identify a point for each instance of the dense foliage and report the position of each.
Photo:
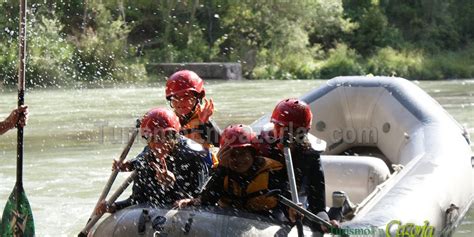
(114, 40)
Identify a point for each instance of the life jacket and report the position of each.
(251, 195)
(192, 131)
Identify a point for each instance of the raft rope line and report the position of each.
(397, 169)
(396, 175)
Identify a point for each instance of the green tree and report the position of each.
(462, 12)
(329, 26)
(426, 23)
(373, 30)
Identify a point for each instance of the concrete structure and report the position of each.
(215, 70)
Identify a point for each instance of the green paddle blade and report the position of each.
(15, 222)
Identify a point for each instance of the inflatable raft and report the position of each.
(403, 161)
(208, 221)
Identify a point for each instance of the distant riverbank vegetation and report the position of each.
(91, 41)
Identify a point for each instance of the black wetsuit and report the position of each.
(186, 162)
(309, 175)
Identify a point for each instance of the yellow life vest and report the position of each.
(252, 197)
(193, 123)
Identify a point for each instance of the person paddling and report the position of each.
(18, 117)
(291, 121)
(186, 95)
(242, 179)
(171, 167)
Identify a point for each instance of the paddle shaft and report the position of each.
(293, 188)
(112, 199)
(291, 175)
(306, 213)
(114, 173)
(21, 101)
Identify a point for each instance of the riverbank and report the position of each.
(97, 41)
(412, 64)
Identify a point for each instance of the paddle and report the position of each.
(292, 180)
(17, 218)
(112, 199)
(311, 216)
(114, 173)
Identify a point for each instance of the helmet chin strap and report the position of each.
(187, 117)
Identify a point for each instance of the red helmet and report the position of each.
(159, 120)
(292, 111)
(183, 81)
(238, 135)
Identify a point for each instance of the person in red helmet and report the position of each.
(186, 94)
(242, 178)
(171, 167)
(291, 121)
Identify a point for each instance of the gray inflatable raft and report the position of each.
(210, 221)
(400, 157)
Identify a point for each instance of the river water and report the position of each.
(73, 135)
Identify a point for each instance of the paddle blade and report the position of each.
(16, 221)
